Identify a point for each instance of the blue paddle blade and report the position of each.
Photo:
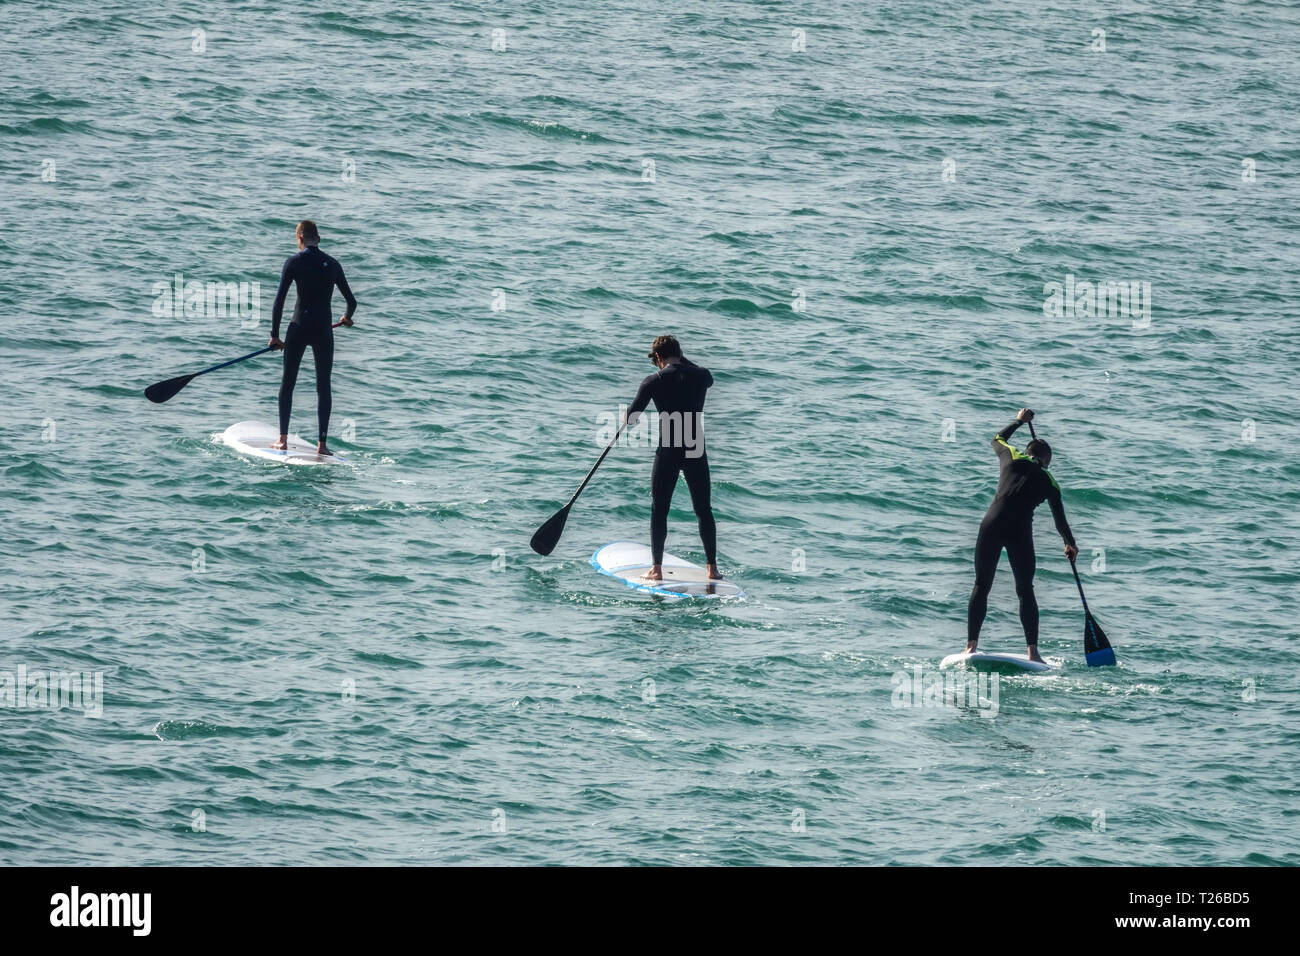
(1103, 658)
(1096, 649)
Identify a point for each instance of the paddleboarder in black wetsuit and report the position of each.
(1023, 484)
(315, 275)
(678, 390)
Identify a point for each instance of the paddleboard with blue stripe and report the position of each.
(629, 562)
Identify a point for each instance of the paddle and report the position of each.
(1096, 649)
(160, 392)
(548, 535)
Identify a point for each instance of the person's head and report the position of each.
(664, 349)
(307, 234)
(1040, 451)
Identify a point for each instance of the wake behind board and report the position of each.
(256, 439)
(629, 562)
(1000, 663)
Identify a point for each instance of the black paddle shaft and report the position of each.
(1079, 584)
(608, 449)
(547, 536)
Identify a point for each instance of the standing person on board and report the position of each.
(314, 275)
(1023, 484)
(678, 390)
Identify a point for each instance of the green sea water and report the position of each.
(853, 215)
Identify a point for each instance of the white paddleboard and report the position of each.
(256, 439)
(629, 562)
(1006, 663)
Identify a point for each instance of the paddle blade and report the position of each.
(159, 392)
(1096, 649)
(548, 535)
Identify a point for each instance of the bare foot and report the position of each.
(282, 444)
(970, 647)
(714, 572)
(1032, 651)
(656, 573)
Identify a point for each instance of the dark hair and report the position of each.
(1039, 449)
(666, 347)
(307, 232)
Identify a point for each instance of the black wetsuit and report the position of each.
(678, 391)
(315, 275)
(1023, 484)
